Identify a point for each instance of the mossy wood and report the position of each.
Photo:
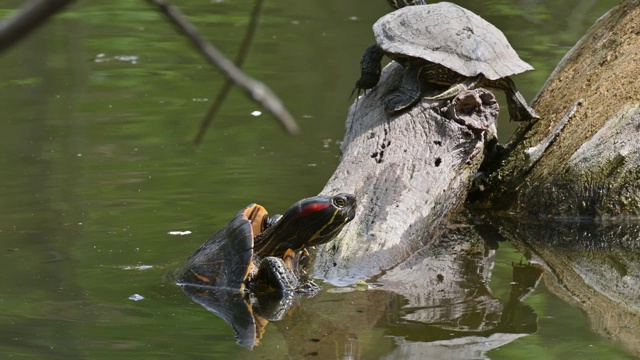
(583, 157)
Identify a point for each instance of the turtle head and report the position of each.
(309, 222)
(397, 4)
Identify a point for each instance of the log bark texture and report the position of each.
(407, 172)
(583, 157)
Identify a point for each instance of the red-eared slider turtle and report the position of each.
(252, 249)
(247, 272)
(444, 44)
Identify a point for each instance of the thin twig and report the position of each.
(226, 87)
(32, 15)
(258, 91)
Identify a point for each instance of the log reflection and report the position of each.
(595, 266)
(436, 302)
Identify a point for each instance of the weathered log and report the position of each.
(407, 172)
(581, 160)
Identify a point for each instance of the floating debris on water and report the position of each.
(138, 267)
(133, 59)
(362, 285)
(136, 297)
(256, 113)
(177, 232)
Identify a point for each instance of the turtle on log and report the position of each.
(442, 44)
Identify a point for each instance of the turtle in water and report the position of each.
(253, 250)
(442, 44)
(248, 272)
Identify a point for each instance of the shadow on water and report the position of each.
(71, 225)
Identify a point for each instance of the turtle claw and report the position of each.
(309, 289)
(355, 90)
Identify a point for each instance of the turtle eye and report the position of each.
(339, 201)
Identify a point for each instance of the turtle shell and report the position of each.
(225, 259)
(449, 35)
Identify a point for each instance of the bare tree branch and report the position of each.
(258, 91)
(32, 15)
(239, 61)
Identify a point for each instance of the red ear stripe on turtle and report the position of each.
(313, 208)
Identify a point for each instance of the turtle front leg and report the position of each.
(275, 273)
(407, 94)
(274, 288)
(517, 105)
(371, 68)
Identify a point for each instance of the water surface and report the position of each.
(97, 167)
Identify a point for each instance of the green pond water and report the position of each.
(99, 108)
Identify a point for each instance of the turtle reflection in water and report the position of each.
(249, 271)
(442, 44)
